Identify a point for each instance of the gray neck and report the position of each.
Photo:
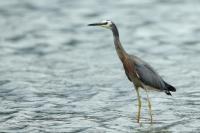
(120, 50)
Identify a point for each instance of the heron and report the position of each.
(140, 73)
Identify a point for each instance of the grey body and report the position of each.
(147, 75)
(138, 71)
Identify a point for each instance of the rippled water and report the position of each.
(58, 75)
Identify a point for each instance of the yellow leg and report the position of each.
(149, 104)
(139, 106)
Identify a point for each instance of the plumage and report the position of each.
(150, 77)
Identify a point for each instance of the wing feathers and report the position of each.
(149, 77)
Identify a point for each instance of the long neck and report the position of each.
(120, 50)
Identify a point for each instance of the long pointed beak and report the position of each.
(96, 24)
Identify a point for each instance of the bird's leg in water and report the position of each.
(149, 104)
(139, 105)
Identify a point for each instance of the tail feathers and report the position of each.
(168, 93)
(169, 87)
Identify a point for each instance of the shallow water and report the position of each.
(58, 75)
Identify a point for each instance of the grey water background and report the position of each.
(58, 75)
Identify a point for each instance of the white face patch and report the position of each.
(108, 25)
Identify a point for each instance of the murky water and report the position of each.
(58, 75)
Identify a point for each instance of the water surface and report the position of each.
(58, 75)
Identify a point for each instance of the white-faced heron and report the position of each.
(139, 72)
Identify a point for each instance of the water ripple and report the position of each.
(58, 75)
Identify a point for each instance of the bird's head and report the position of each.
(106, 24)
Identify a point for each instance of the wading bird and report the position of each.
(138, 71)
